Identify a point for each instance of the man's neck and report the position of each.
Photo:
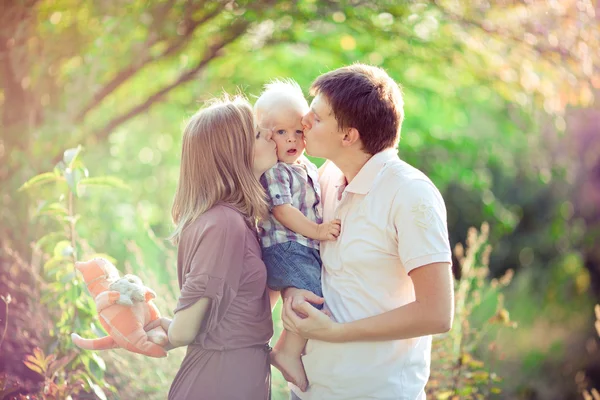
(351, 164)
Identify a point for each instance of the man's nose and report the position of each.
(305, 123)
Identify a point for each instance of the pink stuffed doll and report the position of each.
(124, 307)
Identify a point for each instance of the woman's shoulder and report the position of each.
(219, 217)
(219, 225)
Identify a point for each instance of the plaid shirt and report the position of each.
(295, 184)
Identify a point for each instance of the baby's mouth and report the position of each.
(292, 152)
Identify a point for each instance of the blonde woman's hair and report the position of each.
(217, 159)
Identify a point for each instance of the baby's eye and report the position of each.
(299, 132)
(281, 132)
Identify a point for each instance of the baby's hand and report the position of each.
(329, 230)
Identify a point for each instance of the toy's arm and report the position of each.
(106, 299)
(154, 313)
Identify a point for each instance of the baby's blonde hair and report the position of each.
(281, 90)
(217, 160)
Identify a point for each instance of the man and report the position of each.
(387, 280)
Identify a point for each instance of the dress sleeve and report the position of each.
(420, 221)
(215, 256)
(276, 182)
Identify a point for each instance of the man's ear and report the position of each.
(351, 136)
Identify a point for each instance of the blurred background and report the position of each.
(500, 113)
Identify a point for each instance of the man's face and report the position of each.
(321, 132)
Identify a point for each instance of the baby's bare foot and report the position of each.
(291, 368)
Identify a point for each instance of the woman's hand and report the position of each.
(316, 324)
(164, 323)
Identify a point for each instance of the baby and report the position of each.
(291, 233)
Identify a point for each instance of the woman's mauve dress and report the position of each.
(219, 257)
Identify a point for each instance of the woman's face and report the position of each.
(265, 151)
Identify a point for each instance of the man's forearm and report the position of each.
(409, 321)
(294, 220)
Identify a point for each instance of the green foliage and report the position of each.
(487, 87)
(456, 370)
(64, 292)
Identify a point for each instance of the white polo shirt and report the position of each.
(393, 220)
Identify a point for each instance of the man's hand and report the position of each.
(329, 230)
(302, 294)
(316, 324)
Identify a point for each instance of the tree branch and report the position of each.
(235, 32)
(504, 34)
(132, 69)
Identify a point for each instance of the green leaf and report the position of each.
(54, 264)
(63, 249)
(73, 177)
(96, 367)
(53, 209)
(104, 181)
(68, 277)
(49, 238)
(99, 361)
(70, 156)
(85, 305)
(98, 391)
(38, 180)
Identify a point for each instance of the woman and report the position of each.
(223, 314)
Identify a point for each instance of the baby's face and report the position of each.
(288, 132)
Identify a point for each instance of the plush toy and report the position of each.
(124, 307)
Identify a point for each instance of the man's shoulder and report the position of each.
(329, 171)
(400, 175)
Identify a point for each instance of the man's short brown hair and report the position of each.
(364, 97)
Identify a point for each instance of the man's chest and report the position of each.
(368, 236)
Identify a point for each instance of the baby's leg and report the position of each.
(286, 357)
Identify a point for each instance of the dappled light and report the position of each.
(501, 112)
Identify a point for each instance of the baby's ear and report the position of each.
(150, 294)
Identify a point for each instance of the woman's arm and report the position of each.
(294, 220)
(432, 312)
(186, 323)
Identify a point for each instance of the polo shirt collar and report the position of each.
(363, 181)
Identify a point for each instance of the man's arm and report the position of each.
(432, 312)
(294, 220)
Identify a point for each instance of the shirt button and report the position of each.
(277, 196)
